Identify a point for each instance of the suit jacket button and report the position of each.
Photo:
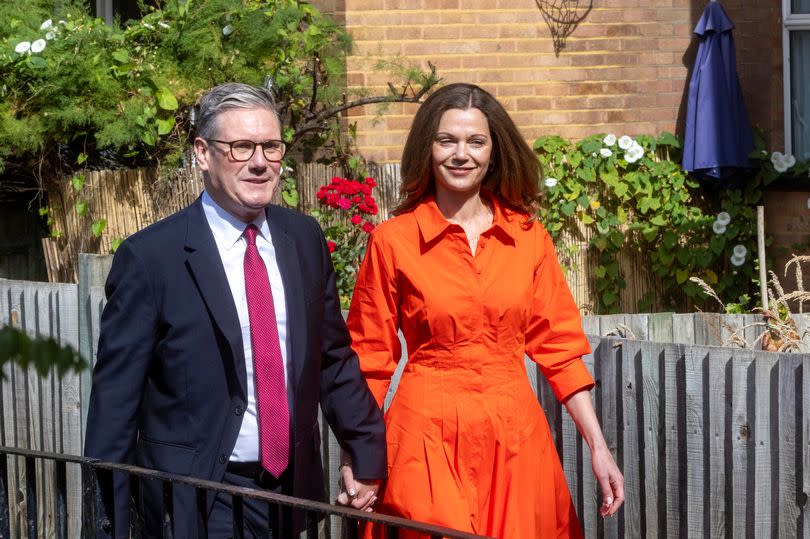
(238, 410)
(223, 458)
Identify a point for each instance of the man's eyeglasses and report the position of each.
(242, 150)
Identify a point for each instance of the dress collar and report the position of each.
(432, 224)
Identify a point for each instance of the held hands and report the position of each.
(355, 493)
(611, 481)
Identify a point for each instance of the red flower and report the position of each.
(332, 246)
(356, 219)
(357, 199)
(366, 189)
(344, 203)
(368, 227)
(370, 182)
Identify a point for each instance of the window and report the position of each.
(796, 51)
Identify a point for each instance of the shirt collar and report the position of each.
(433, 224)
(228, 229)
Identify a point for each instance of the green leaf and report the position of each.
(98, 227)
(568, 208)
(670, 239)
(81, 158)
(610, 177)
(148, 138)
(668, 139)
(717, 243)
(291, 198)
(600, 272)
(166, 99)
(121, 56)
(81, 208)
(681, 275)
(164, 126)
(658, 220)
(609, 297)
(666, 257)
(77, 181)
(36, 62)
(621, 189)
(115, 244)
(288, 134)
(684, 256)
(617, 239)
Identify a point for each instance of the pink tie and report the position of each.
(271, 395)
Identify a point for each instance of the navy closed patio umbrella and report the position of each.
(717, 139)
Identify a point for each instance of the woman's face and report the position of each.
(461, 151)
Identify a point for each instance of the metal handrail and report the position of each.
(96, 521)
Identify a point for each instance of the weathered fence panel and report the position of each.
(713, 441)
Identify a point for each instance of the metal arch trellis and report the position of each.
(562, 18)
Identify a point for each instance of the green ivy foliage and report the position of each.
(632, 194)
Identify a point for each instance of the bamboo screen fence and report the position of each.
(129, 200)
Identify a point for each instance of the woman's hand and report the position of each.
(610, 479)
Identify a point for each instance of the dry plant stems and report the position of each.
(623, 331)
(781, 333)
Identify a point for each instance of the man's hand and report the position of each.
(354, 492)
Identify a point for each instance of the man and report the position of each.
(221, 334)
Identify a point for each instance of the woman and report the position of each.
(473, 282)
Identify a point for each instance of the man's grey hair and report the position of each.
(229, 96)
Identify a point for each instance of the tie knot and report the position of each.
(250, 234)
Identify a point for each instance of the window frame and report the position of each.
(791, 22)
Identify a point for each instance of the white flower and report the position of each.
(625, 142)
(22, 47)
(227, 30)
(718, 227)
(62, 22)
(164, 25)
(609, 140)
(740, 250)
(46, 25)
(723, 218)
(38, 46)
(737, 260)
(605, 152)
(148, 26)
(633, 153)
(49, 36)
(551, 182)
(782, 162)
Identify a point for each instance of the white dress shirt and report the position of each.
(228, 233)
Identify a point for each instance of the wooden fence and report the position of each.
(713, 441)
(131, 199)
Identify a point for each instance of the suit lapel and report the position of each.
(205, 266)
(287, 258)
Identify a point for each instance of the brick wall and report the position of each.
(624, 69)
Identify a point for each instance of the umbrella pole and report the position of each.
(763, 278)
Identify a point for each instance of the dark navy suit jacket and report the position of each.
(169, 385)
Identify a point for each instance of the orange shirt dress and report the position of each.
(468, 444)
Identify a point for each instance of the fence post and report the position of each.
(93, 270)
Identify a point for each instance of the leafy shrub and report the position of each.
(632, 193)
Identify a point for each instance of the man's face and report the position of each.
(242, 188)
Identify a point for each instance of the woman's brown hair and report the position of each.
(514, 169)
